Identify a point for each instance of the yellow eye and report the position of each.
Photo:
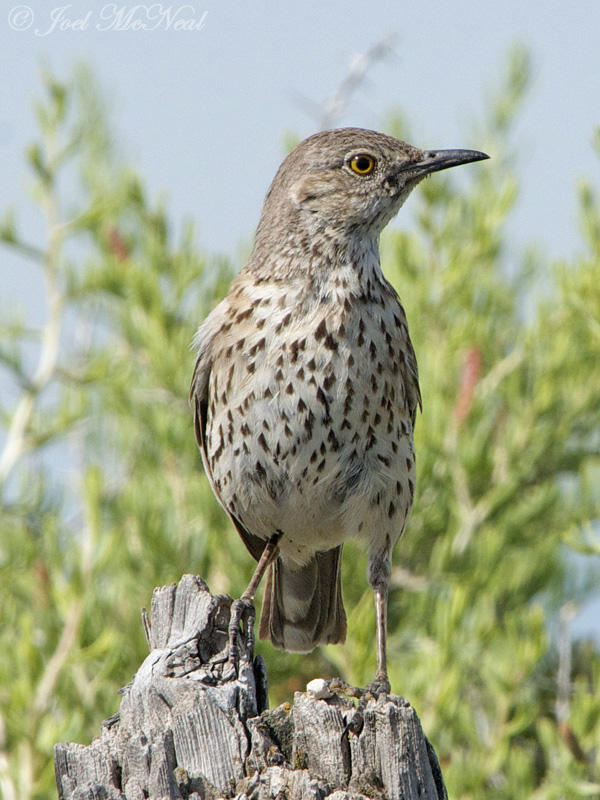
(362, 164)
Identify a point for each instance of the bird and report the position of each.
(305, 389)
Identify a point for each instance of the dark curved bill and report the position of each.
(436, 160)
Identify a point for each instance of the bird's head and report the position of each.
(350, 179)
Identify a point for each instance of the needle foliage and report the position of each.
(102, 495)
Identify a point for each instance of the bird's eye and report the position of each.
(362, 164)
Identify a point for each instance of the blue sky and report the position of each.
(202, 113)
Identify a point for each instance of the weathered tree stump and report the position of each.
(189, 728)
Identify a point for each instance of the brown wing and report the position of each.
(411, 381)
(199, 398)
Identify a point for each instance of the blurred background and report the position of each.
(137, 143)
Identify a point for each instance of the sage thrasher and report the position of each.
(305, 388)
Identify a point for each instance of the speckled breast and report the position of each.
(309, 425)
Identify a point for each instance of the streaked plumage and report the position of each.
(305, 388)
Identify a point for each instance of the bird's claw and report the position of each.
(241, 636)
(380, 687)
(341, 688)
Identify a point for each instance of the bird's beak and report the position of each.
(436, 160)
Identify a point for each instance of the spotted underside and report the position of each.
(305, 389)
(310, 401)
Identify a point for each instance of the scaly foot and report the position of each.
(241, 636)
(378, 688)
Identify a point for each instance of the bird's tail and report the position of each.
(303, 607)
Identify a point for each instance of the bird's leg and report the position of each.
(379, 570)
(269, 554)
(381, 684)
(243, 608)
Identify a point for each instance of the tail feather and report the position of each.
(303, 607)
